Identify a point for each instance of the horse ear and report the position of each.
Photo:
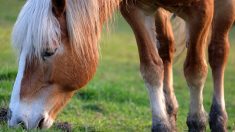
(58, 7)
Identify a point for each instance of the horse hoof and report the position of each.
(197, 123)
(218, 119)
(161, 126)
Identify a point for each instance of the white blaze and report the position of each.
(15, 96)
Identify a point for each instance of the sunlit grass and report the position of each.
(116, 99)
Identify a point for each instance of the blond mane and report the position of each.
(37, 28)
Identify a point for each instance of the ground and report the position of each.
(116, 99)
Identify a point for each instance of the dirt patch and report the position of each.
(3, 115)
(64, 126)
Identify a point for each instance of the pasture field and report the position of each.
(116, 99)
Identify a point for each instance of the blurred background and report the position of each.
(116, 99)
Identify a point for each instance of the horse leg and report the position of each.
(151, 66)
(218, 54)
(166, 50)
(198, 18)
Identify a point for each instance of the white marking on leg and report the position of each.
(15, 96)
(221, 101)
(157, 101)
(196, 100)
(219, 94)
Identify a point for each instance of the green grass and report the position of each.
(116, 99)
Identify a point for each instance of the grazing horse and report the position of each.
(57, 41)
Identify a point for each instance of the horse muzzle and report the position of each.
(27, 121)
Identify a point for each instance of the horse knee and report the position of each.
(218, 53)
(152, 72)
(195, 73)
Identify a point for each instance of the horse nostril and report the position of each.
(22, 124)
(40, 124)
(9, 114)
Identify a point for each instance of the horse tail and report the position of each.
(179, 30)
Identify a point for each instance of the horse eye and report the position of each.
(48, 53)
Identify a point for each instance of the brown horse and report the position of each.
(57, 42)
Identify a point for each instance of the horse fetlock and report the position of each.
(197, 122)
(172, 109)
(218, 118)
(161, 125)
(172, 120)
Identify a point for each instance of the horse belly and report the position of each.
(170, 5)
(175, 2)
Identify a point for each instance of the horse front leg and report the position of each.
(218, 54)
(165, 38)
(151, 66)
(198, 18)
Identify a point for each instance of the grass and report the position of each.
(116, 99)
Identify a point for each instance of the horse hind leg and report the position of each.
(165, 38)
(198, 19)
(151, 66)
(218, 54)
